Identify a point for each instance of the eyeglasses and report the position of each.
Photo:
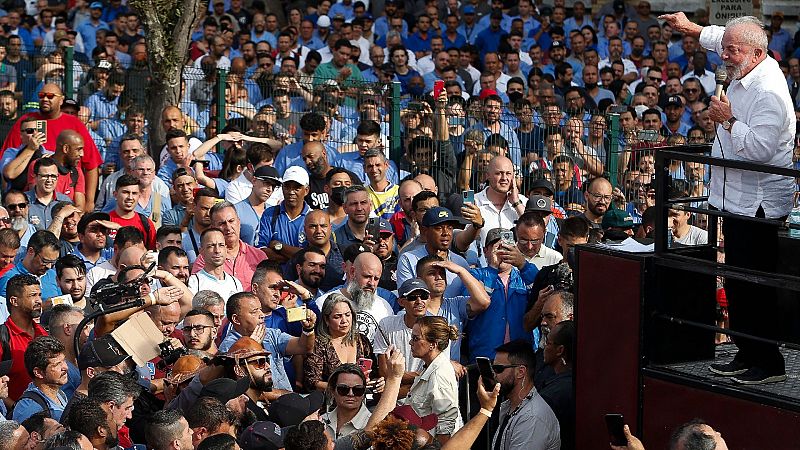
(499, 368)
(529, 241)
(417, 297)
(258, 364)
(598, 197)
(16, 206)
(29, 130)
(355, 391)
(46, 262)
(198, 328)
(691, 90)
(49, 95)
(47, 176)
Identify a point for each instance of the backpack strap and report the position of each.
(39, 399)
(147, 229)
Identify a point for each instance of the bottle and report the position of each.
(794, 219)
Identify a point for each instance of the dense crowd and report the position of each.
(288, 283)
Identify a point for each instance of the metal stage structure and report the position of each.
(646, 325)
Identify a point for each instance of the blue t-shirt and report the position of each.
(288, 231)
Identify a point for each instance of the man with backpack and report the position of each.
(126, 194)
(45, 364)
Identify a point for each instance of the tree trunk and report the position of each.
(168, 26)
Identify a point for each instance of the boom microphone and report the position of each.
(721, 76)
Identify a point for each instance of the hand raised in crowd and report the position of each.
(488, 400)
(311, 320)
(681, 24)
(472, 213)
(397, 363)
(369, 241)
(260, 332)
(33, 141)
(376, 385)
(292, 288)
(449, 266)
(67, 211)
(633, 442)
(510, 254)
(167, 295)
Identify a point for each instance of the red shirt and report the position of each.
(65, 183)
(91, 157)
(136, 221)
(18, 342)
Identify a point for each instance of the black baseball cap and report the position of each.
(225, 389)
(101, 352)
(542, 183)
(290, 409)
(268, 173)
(264, 435)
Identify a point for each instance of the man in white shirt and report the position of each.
(756, 124)
(615, 54)
(500, 202)
(530, 235)
(212, 276)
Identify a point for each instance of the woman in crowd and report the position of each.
(337, 342)
(435, 391)
(347, 386)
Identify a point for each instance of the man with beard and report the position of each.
(93, 229)
(514, 365)
(315, 157)
(384, 249)
(212, 275)
(252, 362)
(45, 364)
(311, 267)
(71, 279)
(62, 322)
(50, 100)
(317, 228)
(24, 301)
(337, 180)
(250, 210)
(17, 205)
(490, 123)
(314, 129)
(199, 218)
(247, 319)
(8, 111)
(199, 331)
(16, 161)
(361, 288)
(358, 207)
(103, 104)
(175, 261)
(280, 233)
(598, 200)
(88, 417)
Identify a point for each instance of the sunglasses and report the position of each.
(259, 364)
(15, 206)
(355, 391)
(417, 297)
(48, 95)
(499, 368)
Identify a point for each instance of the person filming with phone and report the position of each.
(756, 123)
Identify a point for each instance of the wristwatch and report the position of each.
(728, 124)
(277, 246)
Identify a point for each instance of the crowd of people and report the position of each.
(308, 290)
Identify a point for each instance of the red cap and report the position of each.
(486, 92)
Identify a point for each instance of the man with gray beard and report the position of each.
(16, 203)
(360, 287)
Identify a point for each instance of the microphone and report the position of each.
(721, 76)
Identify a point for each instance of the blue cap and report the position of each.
(411, 285)
(469, 9)
(96, 5)
(385, 226)
(440, 214)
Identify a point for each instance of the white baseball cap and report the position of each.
(323, 21)
(296, 174)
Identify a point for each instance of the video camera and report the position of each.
(115, 293)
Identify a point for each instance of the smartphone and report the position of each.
(296, 314)
(204, 162)
(468, 197)
(487, 373)
(41, 127)
(438, 87)
(648, 135)
(374, 228)
(365, 364)
(615, 424)
(152, 257)
(618, 109)
(507, 237)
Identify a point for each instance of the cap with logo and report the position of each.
(438, 215)
(674, 100)
(539, 203)
(557, 44)
(296, 174)
(263, 435)
(617, 218)
(96, 5)
(267, 173)
(385, 226)
(101, 352)
(494, 235)
(411, 285)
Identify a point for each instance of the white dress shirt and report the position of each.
(504, 218)
(763, 133)
(546, 257)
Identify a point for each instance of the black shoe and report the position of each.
(757, 375)
(729, 369)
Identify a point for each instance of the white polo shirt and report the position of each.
(504, 218)
(546, 257)
(204, 281)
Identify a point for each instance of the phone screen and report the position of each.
(486, 371)
(615, 424)
(469, 196)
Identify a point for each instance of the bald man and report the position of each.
(361, 287)
(598, 201)
(69, 151)
(318, 230)
(403, 221)
(500, 202)
(172, 117)
(427, 182)
(50, 100)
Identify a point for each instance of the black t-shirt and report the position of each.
(317, 198)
